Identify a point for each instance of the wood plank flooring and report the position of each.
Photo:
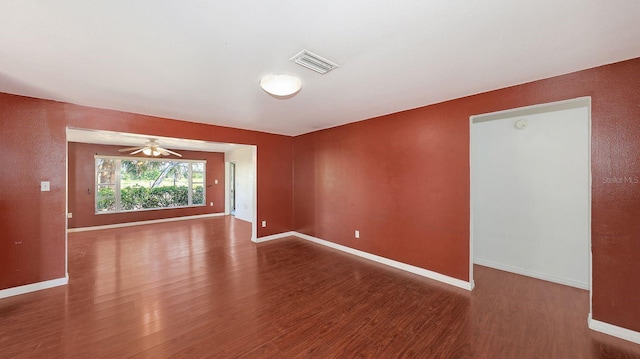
(202, 289)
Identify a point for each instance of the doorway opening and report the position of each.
(78, 197)
(531, 191)
(232, 188)
(241, 184)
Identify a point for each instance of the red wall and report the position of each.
(82, 177)
(33, 148)
(403, 181)
(32, 227)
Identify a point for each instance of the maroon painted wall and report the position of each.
(403, 181)
(348, 178)
(33, 148)
(32, 227)
(82, 177)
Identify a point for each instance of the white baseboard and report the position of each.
(274, 236)
(28, 288)
(152, 221)
(399, 265)
(613, 330)
(529, 273)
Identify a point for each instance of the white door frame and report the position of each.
(522, 111)
(254, 190)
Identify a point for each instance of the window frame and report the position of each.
(118, 182)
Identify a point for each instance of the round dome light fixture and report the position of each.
(281, 84)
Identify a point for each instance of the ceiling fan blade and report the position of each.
(171, 152)
(140, 149)
(130, 149)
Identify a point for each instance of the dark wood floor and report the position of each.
(200, 288)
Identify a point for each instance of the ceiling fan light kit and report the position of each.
(150, 152)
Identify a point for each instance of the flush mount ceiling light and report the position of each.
(281, 84)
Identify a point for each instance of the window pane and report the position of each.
(106, 177)
(105, 198)
(133, 197)
(154, 184)
(197, 176)
(169, 196)
(198, 194)
(147, 184)
(105, 164)
(106, 190)
(177, 174)
(197, 166)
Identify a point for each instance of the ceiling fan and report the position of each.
(151, 148)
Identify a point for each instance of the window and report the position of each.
(135, 184)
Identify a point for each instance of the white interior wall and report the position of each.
(530, 194)
(244, 159)
(227, 187)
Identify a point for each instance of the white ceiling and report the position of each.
(201, 60)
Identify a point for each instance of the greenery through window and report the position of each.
(134, 184)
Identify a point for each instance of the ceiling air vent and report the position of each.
(314, 62)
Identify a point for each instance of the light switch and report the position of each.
(216, 181)
(45, 186)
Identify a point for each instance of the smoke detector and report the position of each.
(313, 62)
(521, 124)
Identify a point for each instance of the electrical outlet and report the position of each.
(211, 204)
(357, 234)
(264, 224)
(216, 182)
(45, 186)
(69, 215)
